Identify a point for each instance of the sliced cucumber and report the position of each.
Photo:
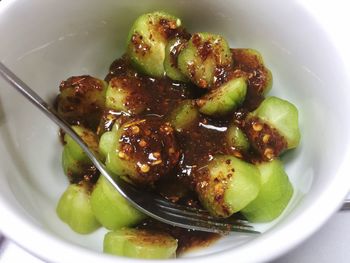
(202, 56)
(250, 63)
(137, 243)
(147, 40)
(90, 139)
(227, 184)
(223, 99)
(107, 141)
(236, 138)
(111, 209)
(71, 167)
(82, 98)
(275, 193)
(281, 115)
(184, 115)
(138, 153)
(172, 51)
(125, 94)
(74, 208)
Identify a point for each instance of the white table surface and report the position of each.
(330, 244)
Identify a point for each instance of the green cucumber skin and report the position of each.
(227, 185)
(150, 58)
(137, 243)
(201, 69)
(184, 115)
(274, 196)
(111, 209)
(74, 208)
(281, 115)
(224, 99)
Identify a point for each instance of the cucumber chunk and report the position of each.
(74, 208)
(138, 153)
(71, 167)
(227, 184)
(275, 193)
(147, 40)
(172, 51)
(283, 116)
(223, 99)
(125, 94)
(76, 165)
(111, 209)
(273, 127)
(250, 64)
(184, 115)
(82, 99)
(90, 139)
(138, 243)
(203, 55)
(107, 141)
(236, 138)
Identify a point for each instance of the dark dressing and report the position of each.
(196, 145)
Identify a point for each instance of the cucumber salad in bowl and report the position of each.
(186, 116)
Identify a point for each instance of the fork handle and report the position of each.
(34, 98)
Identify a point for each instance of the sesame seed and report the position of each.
(156, 154)
(135, 129)
(269, 153)
(237, 154)
(257, 126)
(142, 143)
(266, 138)
(156, 162)
(144, 168)
(121, 155)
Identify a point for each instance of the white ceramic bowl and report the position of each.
(45, 42)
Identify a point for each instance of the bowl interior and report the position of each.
(84, 37)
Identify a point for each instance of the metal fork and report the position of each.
(150, 204)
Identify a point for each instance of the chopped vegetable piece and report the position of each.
(74, 208)
(76, 165)
(125, 94)
(138, 243)
(250, 64)
(90, 139)
(275, 193)
(107, 141)
(111, 209)
(71, 167)
(223, 99)
(172, 51)
(236, 138)
(204, 55)
(82, 100)
(145, 150)
(184, 115)
(273, 127)
(227, 184)
(147, 40)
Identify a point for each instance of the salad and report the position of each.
(181, 114)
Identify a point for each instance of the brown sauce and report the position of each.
(187, 239)
(198, 143)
